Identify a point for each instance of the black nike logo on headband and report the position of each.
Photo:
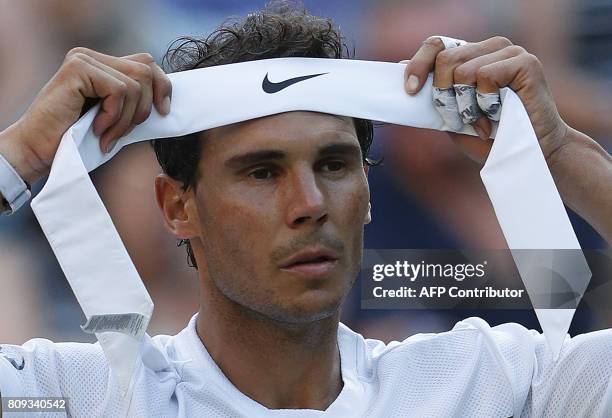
(270, 87)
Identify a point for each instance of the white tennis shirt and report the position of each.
(471, 371)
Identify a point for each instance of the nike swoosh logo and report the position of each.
(13, 362)
(271, 87)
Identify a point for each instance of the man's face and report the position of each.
(281, 203)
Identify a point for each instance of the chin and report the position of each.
(311, 306)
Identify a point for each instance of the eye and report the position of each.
(333, 165)
(262, 173)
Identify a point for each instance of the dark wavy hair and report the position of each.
(281, 29)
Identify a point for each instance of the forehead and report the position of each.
(291, 130)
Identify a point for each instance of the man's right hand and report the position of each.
(128, 88)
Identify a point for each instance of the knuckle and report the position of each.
(144, 57)
(484, 75)
(418, 67)
(501, 40)
(533, 61)
(464, 73)
(446, 58)
(516, 49)
(143, 72)
(74, 61)
(76, 51)
(433, 41)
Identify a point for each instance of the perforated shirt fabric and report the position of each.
(471, 371)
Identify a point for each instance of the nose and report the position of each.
(306, 202)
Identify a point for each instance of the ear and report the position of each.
(368, 218)
(177, 206)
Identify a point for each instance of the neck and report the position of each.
(279, 365)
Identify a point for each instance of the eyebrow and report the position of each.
(341, 148)
(256, 157)
(253, 158)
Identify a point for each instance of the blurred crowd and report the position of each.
(426, 195)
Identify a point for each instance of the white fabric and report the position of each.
(490, 104)
(471, 371)
(445, 101)
(100, 271)
(467, 103)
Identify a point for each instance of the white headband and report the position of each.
(94, 259)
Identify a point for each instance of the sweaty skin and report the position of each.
(289, 182)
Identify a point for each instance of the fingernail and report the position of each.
(165, 106)
(106, 143)
(412, 84)
(481, 133)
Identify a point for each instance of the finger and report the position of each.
(491, 77)
(466, 72)
(465, 80)
(97, 83)
(126, 120)
(469, 110)
(422, 64)
(467, 103)
(489, 103)
(448, 60)
(433, 54)
(133, 92)
(445, 103)
(136, 67)
(513, 72)
(162, 90)
(145, 103)
(161, 85)
(144, 75)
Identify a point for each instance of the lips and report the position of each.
(311, 263)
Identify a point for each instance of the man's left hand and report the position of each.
(489, 66)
